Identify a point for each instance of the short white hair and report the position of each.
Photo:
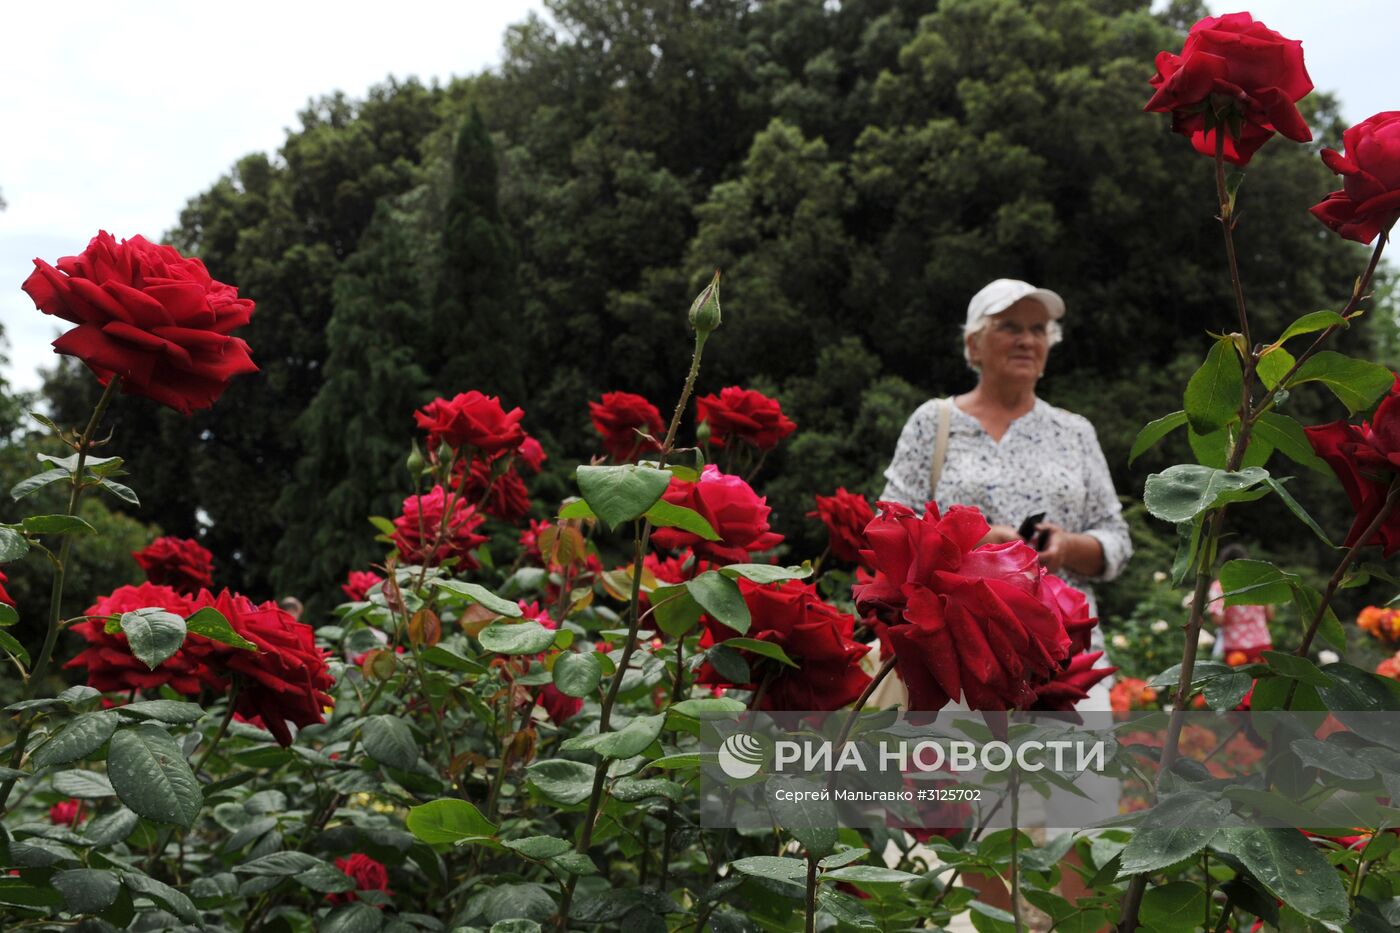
(1054, 331)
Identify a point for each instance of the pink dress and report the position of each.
(1242, 628)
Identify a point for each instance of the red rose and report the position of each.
(358, 584)
(5, 597)
(618, 417)
(817, 636)
(504, 497)
(367, 874)
(1365, 459)
(845, 516)
(419, 534)
(149, 315)
(737, 514)
(178, 563)
(963, 621)
(743, 415)
(1369, 200)
(1235, 71)
(111, 667)
(67, 813)
(471, 420)
(1071, 685)
(531, 454)
(670, 570)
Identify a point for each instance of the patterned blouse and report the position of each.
(1049, 460)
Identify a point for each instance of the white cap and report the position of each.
(1002, 294)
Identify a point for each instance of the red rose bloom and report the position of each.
(111, 667)
(531, 454)
(67, 813)
(1241, 69)
(358, 584)
(1071, 685)
(149, 315)
(737, 514)
(471, 420)
(367, 874)
(743, 415)
(683, 566)
(1369, 200)
(417, 530)
(845, 516)
(505, 497)
(816, 635)
(618, 417)
(1365, 459)
(5, 597)
(963, 621)
(178, 563)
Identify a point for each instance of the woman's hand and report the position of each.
(1000, 534)
(1057, 545)
(1065, 550)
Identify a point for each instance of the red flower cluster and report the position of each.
(421, 539)
(845, 516)
(358, 584)
(367, 874)
(677, 569)
(965, 621)
(737, 514)
(179, 563)
(5, 597)
(503, 496)
(1233, 71)
(817, 636)
(473, 420)
(1366, 459)
(1369, 201)
(743, 415)
(148, 315)
(67, 813)
(284, 681)
(618, 417)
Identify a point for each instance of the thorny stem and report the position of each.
(41, 663)
(811, 925)
(1015, 794)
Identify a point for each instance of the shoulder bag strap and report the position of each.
(940, 444)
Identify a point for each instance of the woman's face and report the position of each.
(1012, 347)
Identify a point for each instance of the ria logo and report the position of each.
(741, 755)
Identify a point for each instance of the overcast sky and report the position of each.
(115, 115)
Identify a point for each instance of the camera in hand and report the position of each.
(1028, 533)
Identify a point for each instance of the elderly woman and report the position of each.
(1012, 455)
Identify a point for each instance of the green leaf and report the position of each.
(111, 827)
(869, 874)
(1273, 365)
(85, 785)
(539, 847)
(516, 637)
(443, 656)
(767, 573)
(1214, 392)
(57, 525)
(665, 515)
(1169, 908)
(210, 623)
(1308, 599)
(561, 780)
(844, 857)
(1332, 758)
(280, 865)
(619, 494)
(150, 775)
(1153, 432)
(36, 482)
(676, 612)
(13, 545)
(11, 645)
(175, 712)
(576, 509)
(1255, 583)
(729, 663)
(1298, 511)
(1290, 866)
(87, 890)
(1227, 692)
(1178, 827)
(389, 741)
(1311, 323)
(765, 648)
(811, 822)
(772, 866)
(1213, 449)
(479, 594)
(577, 674)
(8, 615)
(1286, 435)
(1356, 383)
(154, 634)
(383, 525)
(163, 894)
(121, 492)
(353, 918)
(82, 736)
(1289, 665)
(698, 707)
(1181, 492)
(631, 739)
(448, 820)
(719, 596)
